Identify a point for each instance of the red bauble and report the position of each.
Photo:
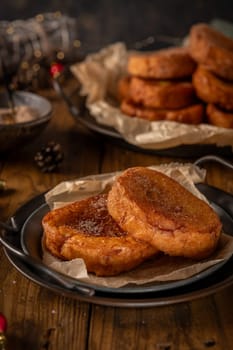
(56, 69)
(3, 323)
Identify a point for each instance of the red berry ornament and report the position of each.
(56, 69)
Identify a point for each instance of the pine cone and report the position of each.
(49, 157)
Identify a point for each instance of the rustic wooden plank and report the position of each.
(219, 176)
(38, 318)
(120, 158)
(223, 300)
(199, 325)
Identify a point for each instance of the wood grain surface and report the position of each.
(39, 319)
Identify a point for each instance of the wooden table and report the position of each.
(41, 319)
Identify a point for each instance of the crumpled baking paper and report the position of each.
(99, 74)
(157, 270)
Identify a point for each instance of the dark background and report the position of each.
(105, 21)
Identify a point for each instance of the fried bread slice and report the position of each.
(156, 209)
(212, 89)
(218, 117)
(169, 63)
(190, 115)
(212, 49)
(84, 229)
(161, 94)
(123, 87)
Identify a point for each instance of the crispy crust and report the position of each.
(212, 49)
(123, 88)
(190, 115)
(132, 109)
(155, 208)
(211, 89)
(218, 117)
(85, 230)
(161, 94)
(170, 63)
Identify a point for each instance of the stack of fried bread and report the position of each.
(213, 78)
(182, 84)
(144, 212)
(158, 87)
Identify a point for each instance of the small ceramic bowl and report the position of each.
(20, 133)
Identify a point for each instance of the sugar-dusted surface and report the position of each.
(84, 229)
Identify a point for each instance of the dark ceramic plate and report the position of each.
(31, 234)
(205, 283)
(183, 151)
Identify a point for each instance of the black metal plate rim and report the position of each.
(28, 234)
(119, 302)
(151, 299)
(184, 150)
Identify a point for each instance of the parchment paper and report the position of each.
(98, 75)
(159, 269)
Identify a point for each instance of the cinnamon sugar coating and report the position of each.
(85, 230)
(155, 208)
